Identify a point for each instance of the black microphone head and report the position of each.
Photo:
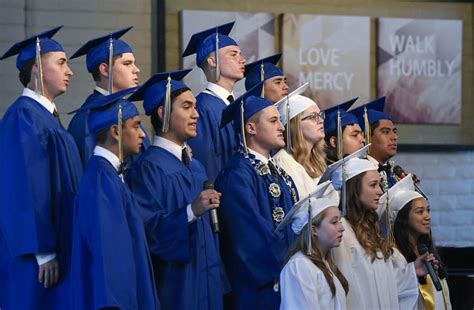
(422, 248)
(398, 171)
(208, 184)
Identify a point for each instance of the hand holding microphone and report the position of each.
(423, 251)
(208, 185)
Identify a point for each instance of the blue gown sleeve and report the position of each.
(25, 192)
(170, 236)
(248, 233)
(105, 234)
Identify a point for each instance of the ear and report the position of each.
(250, 128)
(333, 142)
(104, 69)
(211, 60)
(113, 132)
(159, 112)
(314, 231)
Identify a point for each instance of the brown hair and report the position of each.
(365, 221)
(301, 244)
(314, 161)
(96, 72)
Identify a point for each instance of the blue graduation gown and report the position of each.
(40, 170)
(185, 256)
(212, 146)
(111, 266)
(85, 141)
(253, 254)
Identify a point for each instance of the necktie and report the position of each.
(273, 169)
(56, 116)
(185, 157)
(230, 98)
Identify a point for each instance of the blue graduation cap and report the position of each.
(244, 103)
(97, 50)
(104, 110)
(157, 91)
(330, 122)
(374, 110)
(262, 70)
(27, 48)
(210, 40)
(370, 113)
(243, 108)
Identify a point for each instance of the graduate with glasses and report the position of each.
(303, 158)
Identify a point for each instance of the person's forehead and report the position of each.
(127, 56)
(186, 96)
(230, 48)
(270, 111)
(385, 123)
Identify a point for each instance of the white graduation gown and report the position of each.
(303, 286)
(390, 284)
(303, 182)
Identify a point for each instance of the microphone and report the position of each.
(214, 220)
(400, 173)
(422, 249)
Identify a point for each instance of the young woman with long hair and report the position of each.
(311, 280)
(411, 218)
(306, 161)
(378, 275)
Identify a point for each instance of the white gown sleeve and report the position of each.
(407, 282)
(299, 286)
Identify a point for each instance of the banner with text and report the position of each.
(254, 32)
(419, 69)
(332, 53)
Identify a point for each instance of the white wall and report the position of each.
(448, 180)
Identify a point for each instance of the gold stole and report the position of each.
(427, 293)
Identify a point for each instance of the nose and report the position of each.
(195, 114)
(141, 133)
(137, 70)
(69, 71)
(242, 59)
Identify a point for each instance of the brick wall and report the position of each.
(448, 180)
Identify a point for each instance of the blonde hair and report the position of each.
(313, 161)
(301, 244)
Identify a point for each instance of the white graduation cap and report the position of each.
(289, 106)
(308, 208)
(393, 201)
(345, 169)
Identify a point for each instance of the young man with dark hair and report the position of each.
(214, 146)
(111, 265)
(352, 136)
(256, 195)
(168, 185)
(124, 75)
(39, 172)
(273, 78)
(383, 138)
